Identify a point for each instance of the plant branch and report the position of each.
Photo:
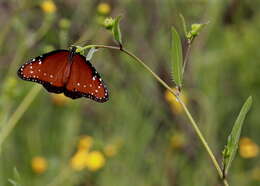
(187, 112)
(186, 58)
(136, 59)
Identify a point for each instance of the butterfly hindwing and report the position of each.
(85, 81)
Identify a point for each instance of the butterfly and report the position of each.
(65, 71)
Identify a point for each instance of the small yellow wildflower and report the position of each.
(111, 150)
(39, 164)
(103, 9)
(177, 141)
(85, 143)
(95, 160)
(48, 6)
(175, 105)
(78, 161)
(247, 148)
(59, 99)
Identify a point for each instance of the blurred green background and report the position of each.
(141, 136)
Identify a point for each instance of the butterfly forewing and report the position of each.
(85, 81)
(47, 70)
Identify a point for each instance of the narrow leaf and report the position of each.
(233, 139)
(183, 24)
(17, 176)
(176, 57)
(13, 182)
(116, 30)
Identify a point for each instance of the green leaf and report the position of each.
(176, 57)
(116, 30)
(183, 24)
(17, 178)
(13, 182)
(230, 149)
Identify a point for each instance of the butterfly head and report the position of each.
(73, 48)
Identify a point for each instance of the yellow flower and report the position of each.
(78, 161)
(48, 6)
(95, 160)
(39, 164)
(177, 141)
(111, 150)
(175, 105)
(85, 143)
(247, 148)
(103, 9)
(59, 99)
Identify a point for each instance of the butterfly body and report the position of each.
(65, 71)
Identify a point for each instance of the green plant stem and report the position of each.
(204, 142)
(137, 59)
(196, 128)
(6, 130)
(187, 112)
(186, 58)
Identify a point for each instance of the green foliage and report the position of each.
(233, 139)
(17, 178)
(116, 30)
(176, 57)
(184, 26)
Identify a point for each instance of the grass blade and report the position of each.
(233, 139)
(176, 57)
